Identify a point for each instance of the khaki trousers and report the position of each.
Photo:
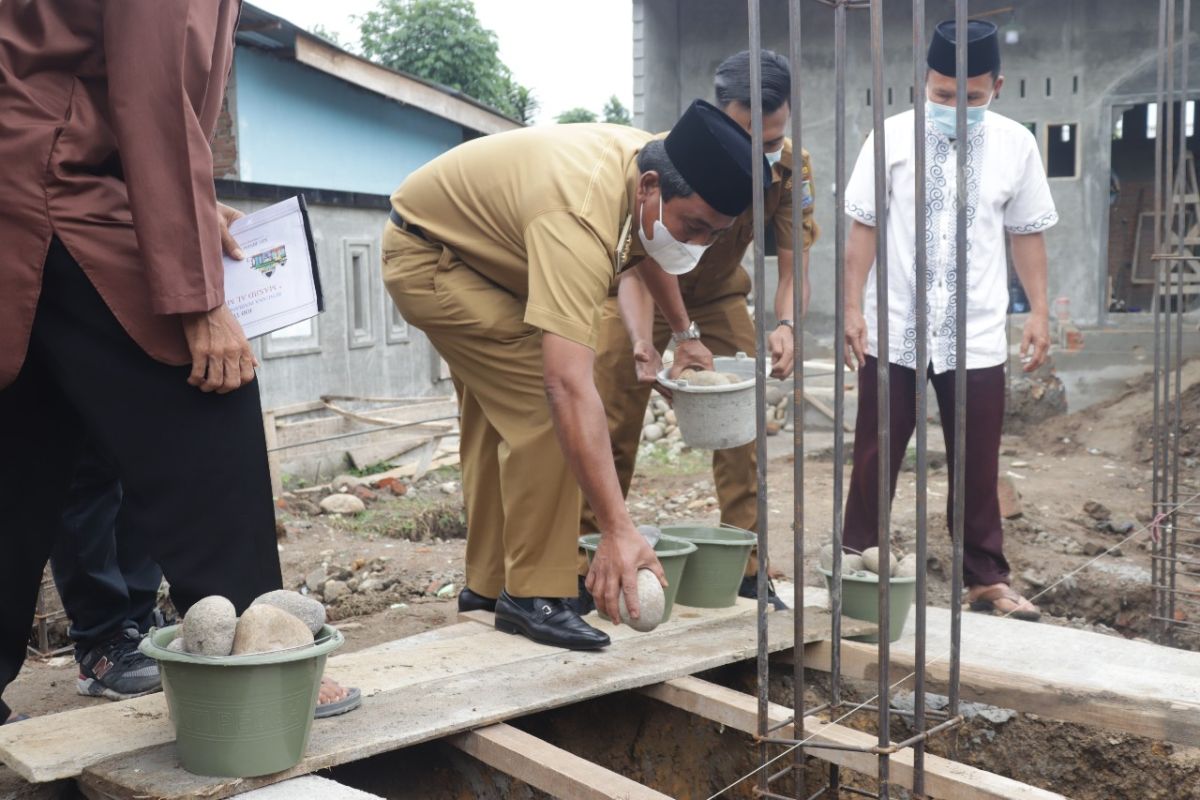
(522, 501)
(725, 328)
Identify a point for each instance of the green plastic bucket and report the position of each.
(241, 716)
(860, 600)
(672, 553)
(714, 572)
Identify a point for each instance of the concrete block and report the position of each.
(1010, 498)
(308, 787)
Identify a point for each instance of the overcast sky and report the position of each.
(570, 52)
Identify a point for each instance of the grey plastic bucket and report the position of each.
(716, 417)
(241, 716)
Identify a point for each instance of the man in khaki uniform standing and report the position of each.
(717, 319)
(502, 251)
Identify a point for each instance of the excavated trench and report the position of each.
(685, 756)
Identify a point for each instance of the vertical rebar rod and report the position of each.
(960, 348)
(795, 53)
(920, 67)
(1185, 64)
(1170, 189)
(839, 337)
(1157, 567)
(760, 370)
(839, 374)
(883, 364)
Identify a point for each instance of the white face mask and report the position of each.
(774, 156)
(675, 257)
(945, 118)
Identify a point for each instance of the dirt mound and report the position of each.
(1122, 427)
(1189, 426)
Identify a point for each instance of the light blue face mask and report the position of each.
(774, 156)
(944, 117)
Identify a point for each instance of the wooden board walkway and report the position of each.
(444, 684)
(424, 708)
(47, 748)
(418, 688)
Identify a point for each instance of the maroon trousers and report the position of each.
(983, 538)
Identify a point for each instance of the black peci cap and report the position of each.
(713, 154)
(983, 48)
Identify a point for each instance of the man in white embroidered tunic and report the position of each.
(1007, 191)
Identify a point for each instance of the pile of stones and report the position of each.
(866, 564)
(275, 621)
(333, 582)
(659, 425)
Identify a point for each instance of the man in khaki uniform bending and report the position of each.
(503, 251)
(716, 319)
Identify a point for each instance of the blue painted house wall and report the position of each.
(297, 126)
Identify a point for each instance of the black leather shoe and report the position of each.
(749, 588)
(469, 601)
(584, 604)
(551, 622)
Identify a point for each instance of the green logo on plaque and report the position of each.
(268, 261)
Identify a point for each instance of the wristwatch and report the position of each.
(787, 322)
(691, 334)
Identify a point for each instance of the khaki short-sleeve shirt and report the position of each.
(542, 212)
(720, 272)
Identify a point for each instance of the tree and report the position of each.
(578, 114)
(443, 41)
(330, 36)
(525, 106)
(616, 112)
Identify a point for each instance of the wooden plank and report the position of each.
(297, 408)
(549, 768)
(305, 430)
(370, 453)
(824, 408)
(47, 748)
(1112, 708)
(460, 701)
(944, 779)
(681, 617)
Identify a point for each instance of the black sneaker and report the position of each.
(749, 588)
(116, 670)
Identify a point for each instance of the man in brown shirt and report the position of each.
(111, 286)
(502, 251)
(715, 295)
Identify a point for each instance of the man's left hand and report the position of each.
(1036, 336)
(779, 341)
(227, 215)
(647, 362)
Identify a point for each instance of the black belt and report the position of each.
(400, 223)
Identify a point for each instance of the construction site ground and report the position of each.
(1084, 486)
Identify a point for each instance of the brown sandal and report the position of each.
(988, 606)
